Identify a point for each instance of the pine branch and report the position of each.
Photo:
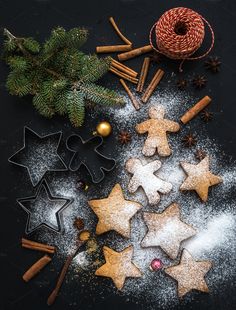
(59, 76)
(76, 109)
(100, 95)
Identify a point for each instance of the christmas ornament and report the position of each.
(156, 264)
(104, 129)
(81, 185)
(87, 153)
(39, 154)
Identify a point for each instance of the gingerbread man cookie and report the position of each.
(157, 127)
(143, 175)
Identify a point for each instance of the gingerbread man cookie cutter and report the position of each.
(86, 153)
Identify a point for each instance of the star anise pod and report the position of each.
(181, 84)
(213, 64)
(124, 137)
(189, 140)
(155, 57)
(78, 223)
(199, 81)
(206, 116)
(200, 154)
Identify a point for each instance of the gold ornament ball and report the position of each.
(104, 129)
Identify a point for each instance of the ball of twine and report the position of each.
(179, 33)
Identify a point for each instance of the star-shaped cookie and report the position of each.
(189, 274)
(199, 178)
(118, 266)
(166, 230)
(114, 212)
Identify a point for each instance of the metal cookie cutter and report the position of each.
(44, 209)
(86, 153)
(39, 154)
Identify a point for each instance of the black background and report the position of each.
(36, 18)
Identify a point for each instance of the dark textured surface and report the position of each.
(36, 18)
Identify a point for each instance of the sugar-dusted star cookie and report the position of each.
(166, 230)
(189, 274)
(118, 266)
(114, 212)
(143, 176)
(199, 178)
(157, 128)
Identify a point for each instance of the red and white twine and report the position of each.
(179, 34)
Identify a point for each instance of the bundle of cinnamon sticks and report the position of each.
(126, 73)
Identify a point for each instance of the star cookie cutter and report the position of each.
(38, 155)
(41, 201)
(89, 156)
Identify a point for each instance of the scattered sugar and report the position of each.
(219, 231)
(41, 158)
(214, 220)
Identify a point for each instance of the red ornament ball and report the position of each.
(156, 264)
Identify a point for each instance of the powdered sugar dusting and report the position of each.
(214, 220)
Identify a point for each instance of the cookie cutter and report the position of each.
(39, 155)
(44, 218)
(78, 159)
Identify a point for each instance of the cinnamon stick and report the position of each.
(152, 86)
(32, 245)
(123, 68)
(199, 106)
(113, 48)
(132, 98)
(112, 21)
(135, 52)
(143, 74)
(36, 268)
(122, 65)
(123, 75)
